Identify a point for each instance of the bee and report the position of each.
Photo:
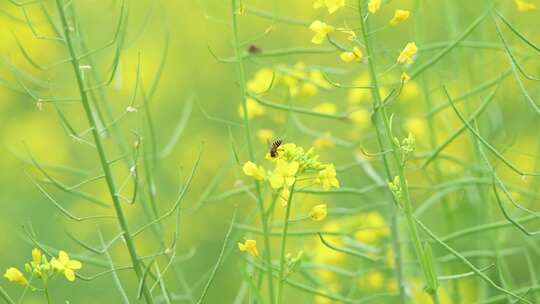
(274, 147)
(253, 49)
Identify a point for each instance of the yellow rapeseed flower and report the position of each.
(319, 212)
(400, 16)
(405, 77)
(284, 174)
(327, 177)
(66, 265)
(251, 169)
(265, 135)
(254, 109)
(36, 256)
(354, 56)
(331, 5)
(15, 275)
(374, 6)
(406, 56)
(524, 6)
(321, 29)
(249, 246)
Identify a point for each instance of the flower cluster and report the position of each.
(407, 146)
(291, 164)
(355, 53)
(249, 246)
(42, 268)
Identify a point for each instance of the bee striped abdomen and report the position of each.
(274, 147)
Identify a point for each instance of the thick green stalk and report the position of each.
(130, 161)
(101, 152)
(381, 116)
(382, 146)
(283, 245)
(243, 96)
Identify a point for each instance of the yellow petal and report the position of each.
(56, 264)
(70, 275)
(63, 257)
(408, 53)
(347, 56)
(74, 264)
(242, 247)
(276, 181)
(292, 168)
(250, 169)
(290, 180)
(321, 29)
(36, 255)
(400, 16)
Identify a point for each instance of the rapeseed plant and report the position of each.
(45, 269)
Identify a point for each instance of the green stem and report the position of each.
(243, 96)
(382, 146)
(435, 298)
(4, 295)
(46, 291)
(282, 277)
(381, 115)
(101, 152)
